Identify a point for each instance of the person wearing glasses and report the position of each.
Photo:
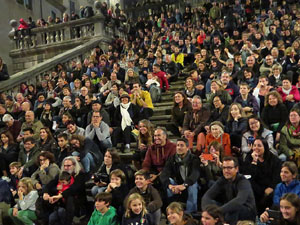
(74, 196)
(233, 193)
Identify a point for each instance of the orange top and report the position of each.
(224, 140)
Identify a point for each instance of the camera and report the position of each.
(101, 177)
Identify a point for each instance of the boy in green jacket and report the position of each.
(104, 214)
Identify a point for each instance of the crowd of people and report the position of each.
(236, 122)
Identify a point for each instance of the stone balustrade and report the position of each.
(86, 28)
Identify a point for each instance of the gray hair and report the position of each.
(197, 97)
(77, 167)
(7, 118)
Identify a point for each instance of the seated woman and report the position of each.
(289, 145)
(101, 177)
(217, 134)
(24, 211)
(218, 89)
(47, 115)
(180, 107)
(290, 211)
(274, 114)
(46, 172)
(289, 93)
(47, 142)
(256, 129)
(119, 190)
(249, 78)
(8, 152)
(126, 116)
(212, 163)
(289, 182)
(191, 90)
(264, 169)
(144, 140)
(247, 100)
(220, 110)
(176, 215)
(236, 124)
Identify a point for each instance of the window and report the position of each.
(28, 4)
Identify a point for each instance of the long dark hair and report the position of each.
(215, 212)
(267, 152)
(261, 128)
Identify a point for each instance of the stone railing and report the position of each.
(81, 29)
(35, 74)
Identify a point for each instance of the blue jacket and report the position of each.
(282, 188)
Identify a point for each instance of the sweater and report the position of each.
(224, 140)
(28, 202)
(276, 114)
(157, 156)
(137, 220)
(109, 218)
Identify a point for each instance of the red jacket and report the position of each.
(224, 140)
(157, 156)
(294, 92)
(162, 79)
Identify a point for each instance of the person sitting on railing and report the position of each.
(23, 29)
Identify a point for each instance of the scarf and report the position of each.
(293, 131)
(183, 164)
(126, 119)
(287, 92)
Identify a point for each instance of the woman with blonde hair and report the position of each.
(176, 215)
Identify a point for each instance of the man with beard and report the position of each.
(74, 196)
(158, 153)
(180, 175)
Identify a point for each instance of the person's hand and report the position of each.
(59, 187)
(180, 129)
(20, 194)
(142, 146)
(186, 133)
(247, 109)
(77, 158)
(289, 97)
(207, 129)
(96, 124)
(254, 157)
(38, 186)
(180, 188)
(101, 184)
(200, 87)
(153, 177)
(45, 164)
(46, 196)
(277, 138)
(265, 216)
(15, 212)
(212, 76)
(203, 161)
(269, 190)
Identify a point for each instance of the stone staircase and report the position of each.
(161, 115)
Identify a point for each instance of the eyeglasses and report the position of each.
(253, 123)
(228, 167)
(68, 165)
(42, 159)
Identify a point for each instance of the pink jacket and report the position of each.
(294, 92)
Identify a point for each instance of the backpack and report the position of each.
(155, 93)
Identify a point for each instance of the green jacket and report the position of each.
(109, 218)
(288, 143)
(34, 152)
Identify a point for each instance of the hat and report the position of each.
(218, 123)
(124, 95)
(9, 97)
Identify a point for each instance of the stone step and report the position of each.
(162, 110)
(160, 118)
(162, 104)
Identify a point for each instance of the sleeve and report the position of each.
(166, 173)
(277, 195)
(211, 194)
(156, 202)
(102, 132)
(244, 190)
(283, 144)
(195, 174)
(90, 132)
(47, 177)
(28, 201)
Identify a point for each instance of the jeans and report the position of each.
(156, 215)
(58, 216)
(87, 161)
(96, 189)
(192, 199)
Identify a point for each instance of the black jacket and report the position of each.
(172, 170)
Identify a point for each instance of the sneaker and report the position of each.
(127, 148)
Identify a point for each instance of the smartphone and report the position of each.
(250, 140)
(273, 214)
(208, 157)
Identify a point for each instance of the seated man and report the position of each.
(98, 131)
(233, 193)
(158, 153)
(180, 175)
(31, 122)
(194, 123)
(143, 100)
